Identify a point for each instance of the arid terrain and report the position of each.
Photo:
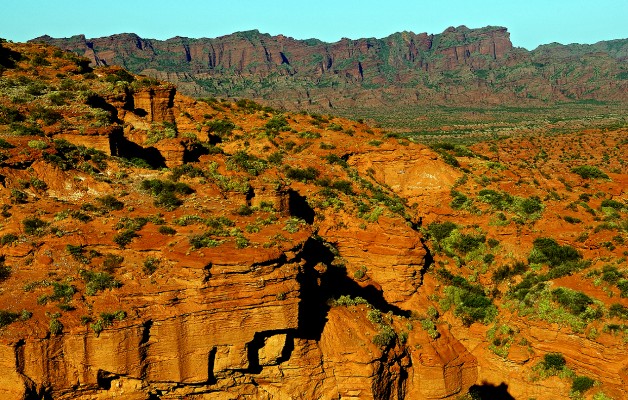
(156, 246)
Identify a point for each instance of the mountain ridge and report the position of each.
(458, 66)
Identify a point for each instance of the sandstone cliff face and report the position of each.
(217, 250)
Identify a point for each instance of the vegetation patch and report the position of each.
(589, 172)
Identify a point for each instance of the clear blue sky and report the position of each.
(530, 22)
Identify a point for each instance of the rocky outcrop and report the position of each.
(155, 103)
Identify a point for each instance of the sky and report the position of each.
(530, 22)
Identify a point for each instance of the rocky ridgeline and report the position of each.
(459, 66)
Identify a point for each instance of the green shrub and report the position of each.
(618, 310)
(38, 184)
(25, 130)
(242, 161)
(34, 226)
(553, 361)
(449, 159)
(575, 302)
(468, 243)
(581, 384)
(241, 242)
(276, 124)
(327, 146)
(110, 202)
(77, 252)
(293, 225)
(459, 200)
(506, 271)
(5, 271)
(18, 197)
(470, 301)
(150, 265)
(572, 220)
(37, 144)
(222, 127)
(56, 327)
(531, 205)
(8, 317)
(188, 170)
(622, 285)
(612, 204)
(112, 262)
(248, 106)
(166, 230)
(9, 115)
(8, 239)
(499, 200)
(347, 301)
(589, 172)
(548, 251)
(47, 115)
(165, 191)
(68, 156)
(98, 281)
(60, 292)
(302, 174)
(335, 159)
(492, 243)
(120, 75)
(122, 239)
(106, 319)
(385, 337)
(611, 274)
(360, 272)
(204, 240)
(156, 133)
(343, 186)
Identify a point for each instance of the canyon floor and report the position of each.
(154, 246)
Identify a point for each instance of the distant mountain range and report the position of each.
(458, 66)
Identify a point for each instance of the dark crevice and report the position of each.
(122, 147)
(321, 281)
(403, 377)
(193, 152)
(96, 101)
(298, 207)
(140, 112)
(156, 395)
(257, 343)
(429, 258)
(45, 393)
(143, 347)
(19, 348)
(284, 59)
(22, 165)
(104, 378)
(249, 196)
(211, 360)
(487, 391)
(340, 284)
(207, 272)
(188, 56)
(171, 95)
(313, 306)
(8, 57)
